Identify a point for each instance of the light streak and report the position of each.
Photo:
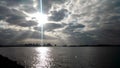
(42, 28)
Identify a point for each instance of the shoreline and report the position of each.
(7, 63)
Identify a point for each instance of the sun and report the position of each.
(39, 17)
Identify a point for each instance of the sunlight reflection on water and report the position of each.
(64, 57)
(43, 57)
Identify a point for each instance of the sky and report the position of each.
(68, 22)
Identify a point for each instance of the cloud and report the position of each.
(14, 11)
(28, 24)
(29, 9)
(99, 23)
(13, 3)
(14, 19)
(109, 36)
(47, 4)
(85, 21)
(20, 21)
(50, 27)
(58, 15)
(11, 36)
(71, 27)
(4, 11)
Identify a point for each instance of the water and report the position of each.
(64, 57)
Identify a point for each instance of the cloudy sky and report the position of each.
(79, 22)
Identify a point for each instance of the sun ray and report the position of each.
(39, 17)
(42, 31)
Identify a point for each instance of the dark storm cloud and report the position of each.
(50, 27)
(58, 15)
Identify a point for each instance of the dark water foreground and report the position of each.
(64, 57)
(7, 63)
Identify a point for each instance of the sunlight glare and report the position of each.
(40, 18)
(43, 57)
